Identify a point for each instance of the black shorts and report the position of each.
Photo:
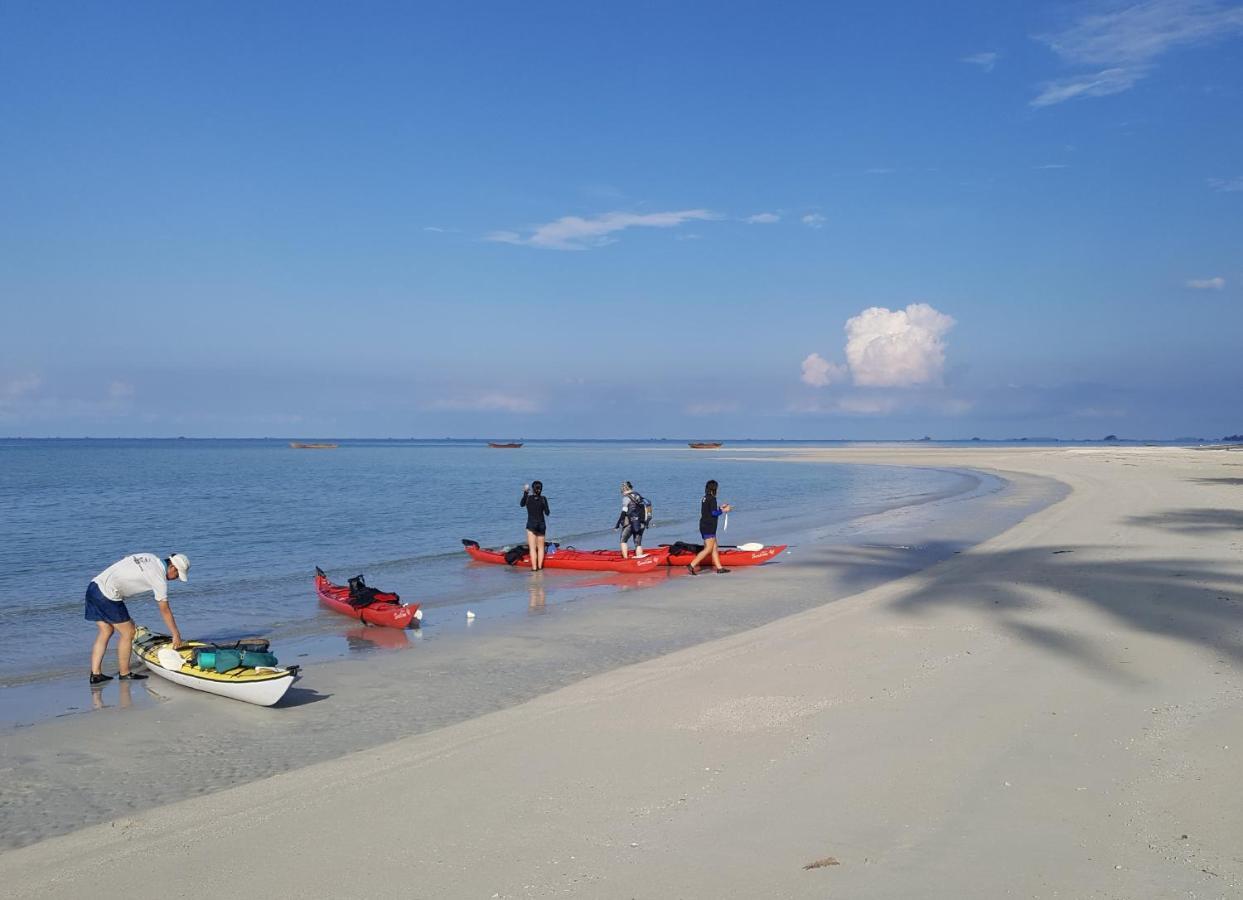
(630, 531)
(537, 530)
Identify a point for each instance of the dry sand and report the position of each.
(1057, 711)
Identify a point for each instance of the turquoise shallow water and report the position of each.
(256, 517)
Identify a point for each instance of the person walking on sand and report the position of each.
(635, 514)
(537, 508)
(709, 512)
(105, 605)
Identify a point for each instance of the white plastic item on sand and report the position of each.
(170, 659)
(751, 547)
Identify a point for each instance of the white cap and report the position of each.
(182, 562)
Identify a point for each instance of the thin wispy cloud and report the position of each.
(1207, 284)
(1052, 166)
(1098, 84)
(486, 401)
(579, 233)
(814, 220)
(1117, 46)
(1227, 185)
(987, 61)
(764, 218)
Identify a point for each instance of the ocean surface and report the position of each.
(256, 517)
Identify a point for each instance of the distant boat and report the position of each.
(298, 445)
(512, 445)
(705, 445)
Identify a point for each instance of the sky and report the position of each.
(689, 220)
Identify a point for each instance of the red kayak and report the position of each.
(730, 556)
(386, 609)
(569, 558)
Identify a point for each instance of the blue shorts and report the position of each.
(708, 537)
(100, 608)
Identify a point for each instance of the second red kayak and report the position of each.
(385, 609)
(569, 558)
(730, 556)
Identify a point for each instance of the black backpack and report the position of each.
(360, 594)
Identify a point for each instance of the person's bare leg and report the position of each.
(125, 642)
(532, 556)
(716, 556)
(625, 550)
(101, 647)
(541, 546)
(638, 548)
(702, 555)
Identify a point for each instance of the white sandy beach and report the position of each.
(1057, 712)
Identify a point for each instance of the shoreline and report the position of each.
(474, 671)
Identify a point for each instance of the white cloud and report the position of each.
(986, 61)
(16, 388)
(819, 372)
(1207, 284)
(1226, 185)
(897, 348)
(578, 233)
(1100, 84)
(486, 401)
(764, 218)
(814, 220)
(1052, 166)
(1124, 41)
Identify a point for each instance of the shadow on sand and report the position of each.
(1192, 521)
(1175, 598)
(297, 696)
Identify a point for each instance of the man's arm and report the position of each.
(167, 612)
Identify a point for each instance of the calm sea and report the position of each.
(256, 517)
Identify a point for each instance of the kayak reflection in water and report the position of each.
(537, 508)
(709, 512)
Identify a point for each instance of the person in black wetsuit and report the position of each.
(709, 511)
(537, 507)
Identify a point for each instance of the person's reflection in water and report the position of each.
(537, 598)
(124, 699)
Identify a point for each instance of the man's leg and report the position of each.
(125, 642)
(101, 647)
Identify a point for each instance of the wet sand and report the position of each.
(1052, 712)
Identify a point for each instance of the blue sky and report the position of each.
(610, 220)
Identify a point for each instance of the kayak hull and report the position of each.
(569, 558)
(388, 615)
(732, 556)
(262, 687)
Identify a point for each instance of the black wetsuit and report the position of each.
(537, 508)
(708, 512)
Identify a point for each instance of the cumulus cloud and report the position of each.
(897, 348)
(1122, 43)
(578, 233)
(814, 220)
(1207, 284)
(986, 61)
(486, 401)
(819, 372)
(764, 218)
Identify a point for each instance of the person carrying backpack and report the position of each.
(636, 513)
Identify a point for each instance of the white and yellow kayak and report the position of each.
(262, 686)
